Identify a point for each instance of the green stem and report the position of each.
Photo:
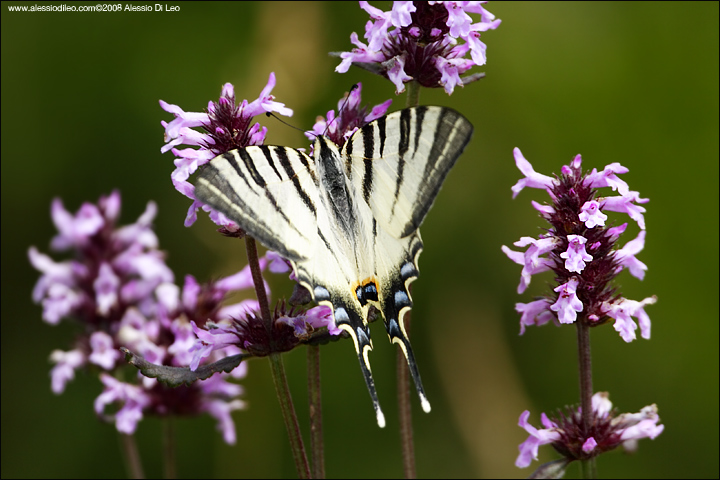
(133, 465)
(413, 94)
(169, 447)
(289, 416)
(276, 367)
(256, 272)
(316, 435)
(589, 468)
(405, 413)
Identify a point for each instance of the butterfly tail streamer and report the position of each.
(351, 320)
(396, 302)
(365, 346)
(397, 335)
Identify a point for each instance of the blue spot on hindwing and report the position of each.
(401, 299)
(393, 328)
(371, 293)
(341, 315)
(362, 336)
(321, 293)
(408, 270)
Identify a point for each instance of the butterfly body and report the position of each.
(348, 219)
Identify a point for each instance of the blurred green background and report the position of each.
(635, 83)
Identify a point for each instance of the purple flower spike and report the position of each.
(609, 430)
(249, 332)
(421, 41)
(581, 249)
(226, 126)
(120, 291)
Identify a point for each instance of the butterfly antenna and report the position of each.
(271, 114)
(347, 97)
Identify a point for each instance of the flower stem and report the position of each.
(289, 416)
(277, 368)
(133, 465)
(316, 436)
(254, 263)
(585, 366)
(413, 94)
(169, 447)
(405, 413)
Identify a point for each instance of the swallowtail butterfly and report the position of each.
(348, 218)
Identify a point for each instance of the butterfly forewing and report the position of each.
(271, 192)
(348, 219)
(399, 163)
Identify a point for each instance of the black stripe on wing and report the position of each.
(452, 133)
(282, 154)
(399, 162)
(403, 146)
(369, 144)
(233, 184)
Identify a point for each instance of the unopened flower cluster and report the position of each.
(581, 250)
(119, 290)
(422, 41)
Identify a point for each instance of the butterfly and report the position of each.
(347, 219)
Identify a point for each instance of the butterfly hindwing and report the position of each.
(347, 219)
